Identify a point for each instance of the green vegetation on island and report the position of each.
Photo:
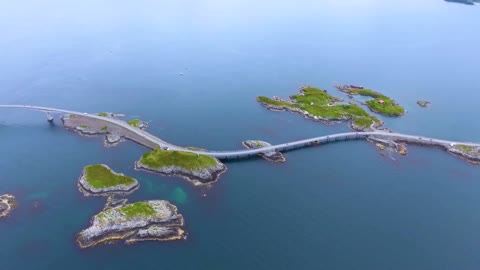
(135, 122)
(104, 128)
(190, 161)
(103, 114)
(139, 221)
(99, 176)
(464, 148)
(380, 103)
(137, 209)
(318, 103)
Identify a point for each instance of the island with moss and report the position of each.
(274, 156)
(380, 103)
(423, 103)
(196, 168)
(99, 179)
(316, 104)
(155, 220)
(7, 204)
(138, 124)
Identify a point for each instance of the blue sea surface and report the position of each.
(192, 69)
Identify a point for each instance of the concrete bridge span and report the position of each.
(245, 153)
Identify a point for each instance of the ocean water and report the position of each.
(338, 206)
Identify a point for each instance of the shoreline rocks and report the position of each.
(112, 139)
(121, 189)
(201, 177)
(273, 156)
(7, 204)
(155, 220)
(470, 154)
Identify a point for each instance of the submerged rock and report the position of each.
(140, 221)
(274, 156)
(7, 204)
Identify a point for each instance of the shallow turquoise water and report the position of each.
(338, 206)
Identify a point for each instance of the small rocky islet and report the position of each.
(99, 179)
(7, 204)
(274, 156)
(388, 145)
(196, 168)
(154, 220)
(424, 103)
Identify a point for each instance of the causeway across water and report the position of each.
(245, 153)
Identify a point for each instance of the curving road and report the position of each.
(252, 152)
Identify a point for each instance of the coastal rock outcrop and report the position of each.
(274, 156)
(386, 144)
(7, 204)
(99, 179)
(101, 126)
(112, 139)
(468, 153)
(140, 221)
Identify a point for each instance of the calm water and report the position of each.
(339, 206)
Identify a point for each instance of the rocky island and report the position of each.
(198, 169)
(274, 156)
(423, 103)
(7, 204)
(99, 179)
(140, 221)
(316, 104)
(380, 103)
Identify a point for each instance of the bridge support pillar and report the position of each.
(49, 117)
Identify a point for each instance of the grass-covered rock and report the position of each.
(139, 221)
(138, 123)
(200, 169)
(380, 103)
(274, 156)
(99, 179)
